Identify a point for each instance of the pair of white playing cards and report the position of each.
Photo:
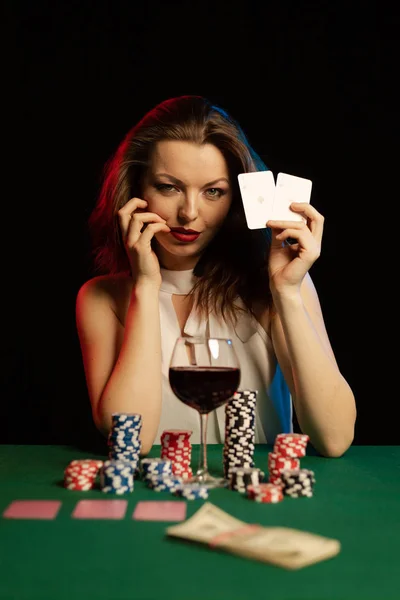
(264, 200)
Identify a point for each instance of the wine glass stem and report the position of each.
(202, 471)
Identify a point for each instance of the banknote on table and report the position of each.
(280, 546)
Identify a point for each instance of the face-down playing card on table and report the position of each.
(100, 509)
(160, 510)
(32, 509)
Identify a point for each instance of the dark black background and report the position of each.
(300, 77)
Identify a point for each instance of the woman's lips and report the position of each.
(185, 237)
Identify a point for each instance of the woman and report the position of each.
(174, 256)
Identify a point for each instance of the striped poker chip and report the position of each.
(81, 474)
(177, 447)
(155, 466)
(164, 483)
(123, 489)
(192, 491)
(265, 492)
(132, 459)
(175, 436)
(117, 476)
(124, 438)
(185, 475)
(277, 464)
(79, 487)
(298, 483)
(126, 419)
(239, 441)
(292, 445)
(91, 462)
(241, 477)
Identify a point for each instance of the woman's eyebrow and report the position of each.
(179, 182)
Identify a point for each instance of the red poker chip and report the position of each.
(173, 455)
(279, 460)
(86, 461)
(291, 444)
(175, 441)
(298, 438)
(175, 451)
(177, 432)
(290, 451)
(80, 474)
(265, 492)
(181, 468)
(275, 480)
(79, 488)
(184, 474)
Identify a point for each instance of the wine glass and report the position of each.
(204, 373)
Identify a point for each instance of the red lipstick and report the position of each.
(183, 230)
(184, 235)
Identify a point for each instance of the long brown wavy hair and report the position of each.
(234, 264)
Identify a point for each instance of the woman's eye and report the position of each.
(164, 187)
(168, 187)
(215, 192)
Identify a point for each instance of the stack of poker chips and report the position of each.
(117, 477)
(123, 439)
(192, 491)
(265, 492)
(239, 443)
(176, 447)
(291, 444)
(81, 475)
(241, 478)
(298, 483)
(277, 464)
(165, 483)
(155, 467)
(284, 465)
(158, 476)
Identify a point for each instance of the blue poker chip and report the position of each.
(109, 489)
(155, 466)
(120, 418)
(164, 483)
(192, 491)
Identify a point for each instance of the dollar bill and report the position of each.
(281, 546)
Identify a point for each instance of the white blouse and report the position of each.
(258, 367)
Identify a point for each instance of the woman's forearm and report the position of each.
(324, 402)
(135, 384)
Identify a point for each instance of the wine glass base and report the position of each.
(208, 481)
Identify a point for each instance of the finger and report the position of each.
(300, 239)
(143, 217)
(306, 208)
(124, 213)
(315, 220)
(276, 242)
(294, 235)
(134, 203)
(139, 222)
(286, 224)
(147, 235)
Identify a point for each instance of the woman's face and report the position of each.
(189, 186)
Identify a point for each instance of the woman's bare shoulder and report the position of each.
(113, 286)
(114, 290)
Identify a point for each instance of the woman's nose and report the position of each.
(189, 208)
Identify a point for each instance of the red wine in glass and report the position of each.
(204, 373)
(204, 388)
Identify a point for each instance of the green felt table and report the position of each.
(356, 500)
